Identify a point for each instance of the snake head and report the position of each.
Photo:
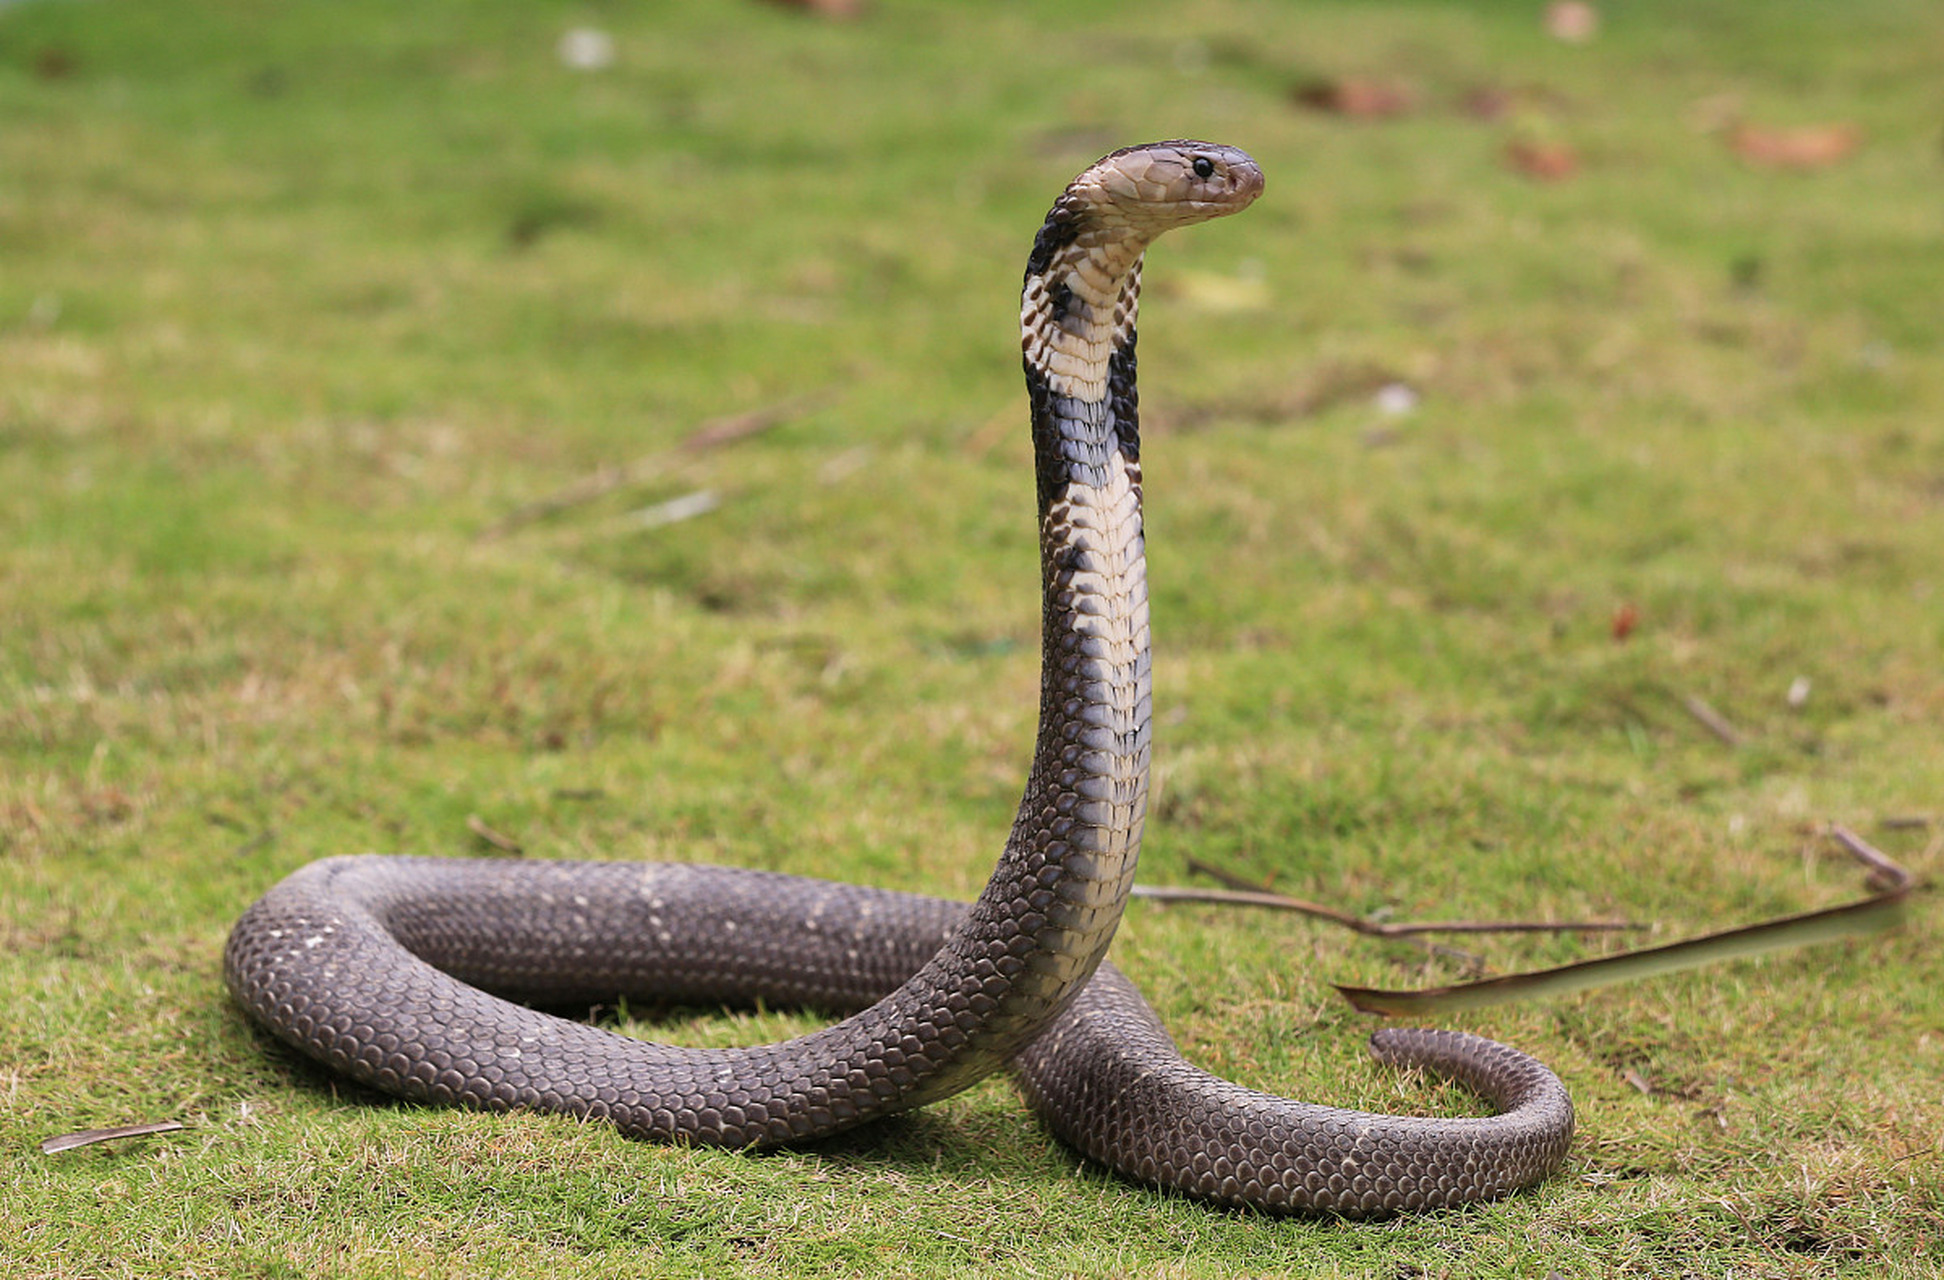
(1146, 190)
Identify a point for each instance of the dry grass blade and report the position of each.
(1872, 915)
(88, 1137)
(711, 435)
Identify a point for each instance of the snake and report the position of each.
(433, 978)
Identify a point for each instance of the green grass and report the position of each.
(296, 299)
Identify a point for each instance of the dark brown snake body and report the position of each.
(380, 967)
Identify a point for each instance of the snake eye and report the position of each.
(1204, 167)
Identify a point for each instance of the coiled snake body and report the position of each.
(380, 967)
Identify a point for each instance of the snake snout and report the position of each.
(1163, 185)
(1234, 174)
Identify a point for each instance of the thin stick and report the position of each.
(1886, 876)
(711, 435)
(1713, 721)
(1891, 885)
(1376, 928)
(498, 839)
(1239, 885)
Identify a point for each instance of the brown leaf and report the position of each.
(1625, 619)
(1573, 21)
(1487, 103)
(1806, 148)
(842, 9)
(1357, 98)
(109, 805)
(54, 64)
(1542, 161)
(1492, 103)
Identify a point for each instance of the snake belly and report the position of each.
(421, 976)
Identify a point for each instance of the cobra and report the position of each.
(380, 967)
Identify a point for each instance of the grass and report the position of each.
(297, 299)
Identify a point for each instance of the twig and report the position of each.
(1713, 721)
(1375, 928)
(1243, 892)
(498, 839)
(1890, 883)
(1222, 875)
(1885, 875)
(711, 435)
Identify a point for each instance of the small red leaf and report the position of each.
(1542, 161)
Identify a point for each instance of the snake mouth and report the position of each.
(1241, 199)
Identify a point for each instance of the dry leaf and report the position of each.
(1573, 21)
(826, 8)
(1625, 619)
(586, 49)
(1487, 103)
(1809, 147)
(1396, 399)
(1359, 99)
(1543, 161)
(54, 64)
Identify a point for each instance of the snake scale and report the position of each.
(380, 967)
